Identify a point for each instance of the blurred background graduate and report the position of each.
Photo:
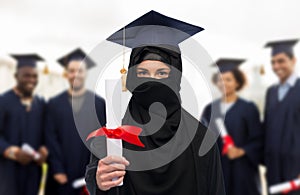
(154, 75)
(242, 121)
(282, 117)
(67, 114)
(22, 121)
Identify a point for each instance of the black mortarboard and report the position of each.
(27, 60)
(285, 46)
(226, 64)
(77, 54)
(154, 29)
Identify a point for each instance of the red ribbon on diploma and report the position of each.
(227, 143)
(84, 191)
(125, 132)
(293, 187)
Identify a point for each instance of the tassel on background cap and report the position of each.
(64, 74)
(46, 70)
(262, 70)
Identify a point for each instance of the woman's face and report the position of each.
(153, 69)
(226, 83)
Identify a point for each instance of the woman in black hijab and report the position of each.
(155, 76)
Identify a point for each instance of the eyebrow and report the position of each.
(142, 69)
(157, 69)
(163, 69)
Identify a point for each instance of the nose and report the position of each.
(153, 76)
(32, 79)
(275, 65)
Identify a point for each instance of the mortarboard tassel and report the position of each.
(123, 77)
(46, 70)
(123, 71)
(262, 70)
(64, 74)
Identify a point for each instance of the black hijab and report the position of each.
(186, 172)
(146, 91)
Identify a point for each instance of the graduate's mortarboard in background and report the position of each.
(154, 29)
(227, 64)
(285, 46)
(77, 54)
(24, 60)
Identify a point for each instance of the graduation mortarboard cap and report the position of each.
(154, 29)
(285, 46)
(228, 64)
(27, 60)
(75, 55)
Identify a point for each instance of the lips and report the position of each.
(30, 86)
(279, 72)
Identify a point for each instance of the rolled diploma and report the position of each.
(29, 150)
(283, 186)
(221, 127)
(78, 183)
(113, 90)
(227, 140)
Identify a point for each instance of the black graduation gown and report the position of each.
(243, 125)
(68, 154)
(17, 126)
(282, 140)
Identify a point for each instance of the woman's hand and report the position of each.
(110, 172)
(43, 151)
(61, 178)
(23, 158)
(235, 152)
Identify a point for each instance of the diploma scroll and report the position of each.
(29, 150)
(114, 146)
(226, 138)
(114, 131)
(285, 187)
(78, 183)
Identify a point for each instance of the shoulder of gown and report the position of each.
(58, 97)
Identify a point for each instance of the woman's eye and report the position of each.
(162, 73)
(142, 73)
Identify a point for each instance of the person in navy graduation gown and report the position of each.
(69, 113)
(282, 117)
(22, 121)
(242, 121)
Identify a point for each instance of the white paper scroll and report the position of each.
(78, 183)
(113, 90)
(283, 186)
(29, 150)
(221, 126)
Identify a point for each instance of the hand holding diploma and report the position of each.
(111, 169)
(229, 147)
(285, 187)
(39, 156)
(23, 157)
(15, 153)
(43, 152)
(226, 138)
(235, 152)
(30, 151)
